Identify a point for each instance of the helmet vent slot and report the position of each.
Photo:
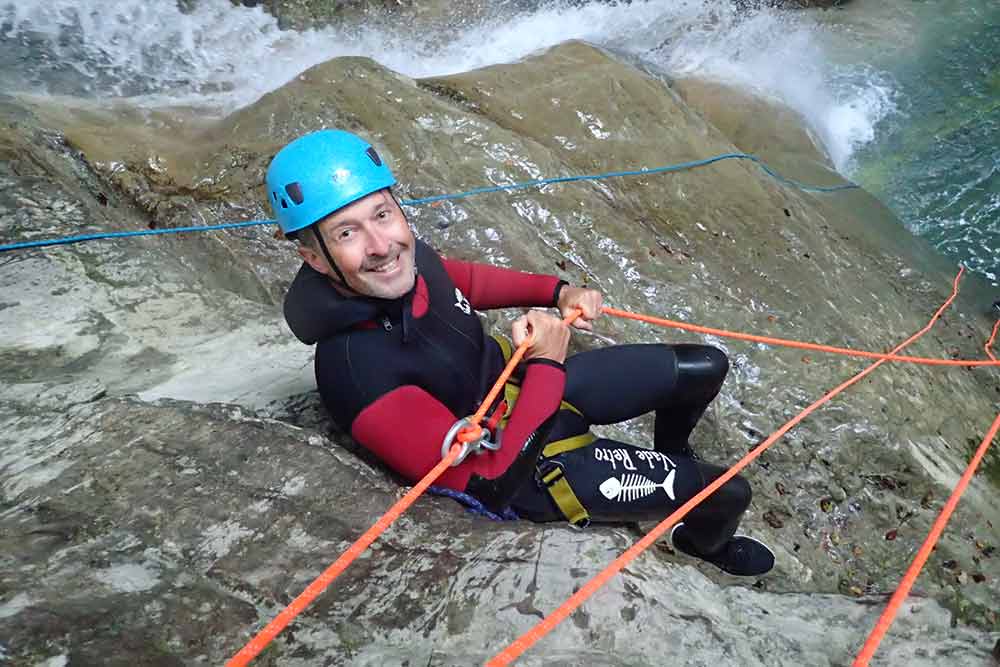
(373, 154)
(294, 191)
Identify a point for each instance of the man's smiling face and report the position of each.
(372, 244)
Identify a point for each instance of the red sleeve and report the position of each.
(405, 427)
(488, 286)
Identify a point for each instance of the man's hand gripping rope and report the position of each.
(537, 335)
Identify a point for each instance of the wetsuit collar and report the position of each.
(315, 310)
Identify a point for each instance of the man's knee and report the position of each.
(702, 365)
(731, 498)
(702, 361)
(738, 494)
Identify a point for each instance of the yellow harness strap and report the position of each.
(558, 486)
(568, 444)
(551, 473)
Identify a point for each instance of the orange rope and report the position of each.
(471, 433)
(528, 639)
(989, 343)
(899, 597)
(768, 340)
(267, 635)
(274, 628)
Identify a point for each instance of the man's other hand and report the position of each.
(587, 300)
(550, 337)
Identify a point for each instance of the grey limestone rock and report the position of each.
(169, 482)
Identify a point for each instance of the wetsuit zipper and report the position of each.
(445, 357)
(479, 348)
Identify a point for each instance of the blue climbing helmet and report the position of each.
(322, 172)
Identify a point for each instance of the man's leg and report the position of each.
(617, 482)
(678, 382)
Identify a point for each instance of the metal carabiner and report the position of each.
(477, 446)
(449, 440)
(486, 442)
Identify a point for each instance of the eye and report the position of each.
(383, 215)
(345, 233)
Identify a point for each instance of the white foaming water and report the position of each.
(228, 56)
(782, 55)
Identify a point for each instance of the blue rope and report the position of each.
(472, 505)
(635, 172)
(459, 195)
(120, 235)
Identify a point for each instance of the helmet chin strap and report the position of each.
(329, 259)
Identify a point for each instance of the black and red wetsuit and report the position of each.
(397, 374)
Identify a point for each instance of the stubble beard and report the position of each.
(372, 285)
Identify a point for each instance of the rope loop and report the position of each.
(451, 437)
(472, 505)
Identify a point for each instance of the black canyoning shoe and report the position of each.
(741, 556)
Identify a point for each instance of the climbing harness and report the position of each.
(552, 476)
(549, 474)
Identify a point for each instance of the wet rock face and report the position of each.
(168, 476)
(303, 14)
(163, 533)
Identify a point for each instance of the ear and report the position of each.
(313, 259)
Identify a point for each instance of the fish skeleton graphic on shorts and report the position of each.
(632, 487)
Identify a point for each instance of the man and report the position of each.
(401, 357)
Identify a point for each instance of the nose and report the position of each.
(378, 242)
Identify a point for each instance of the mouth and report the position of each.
(386, 267)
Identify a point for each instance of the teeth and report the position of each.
(385, 267)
